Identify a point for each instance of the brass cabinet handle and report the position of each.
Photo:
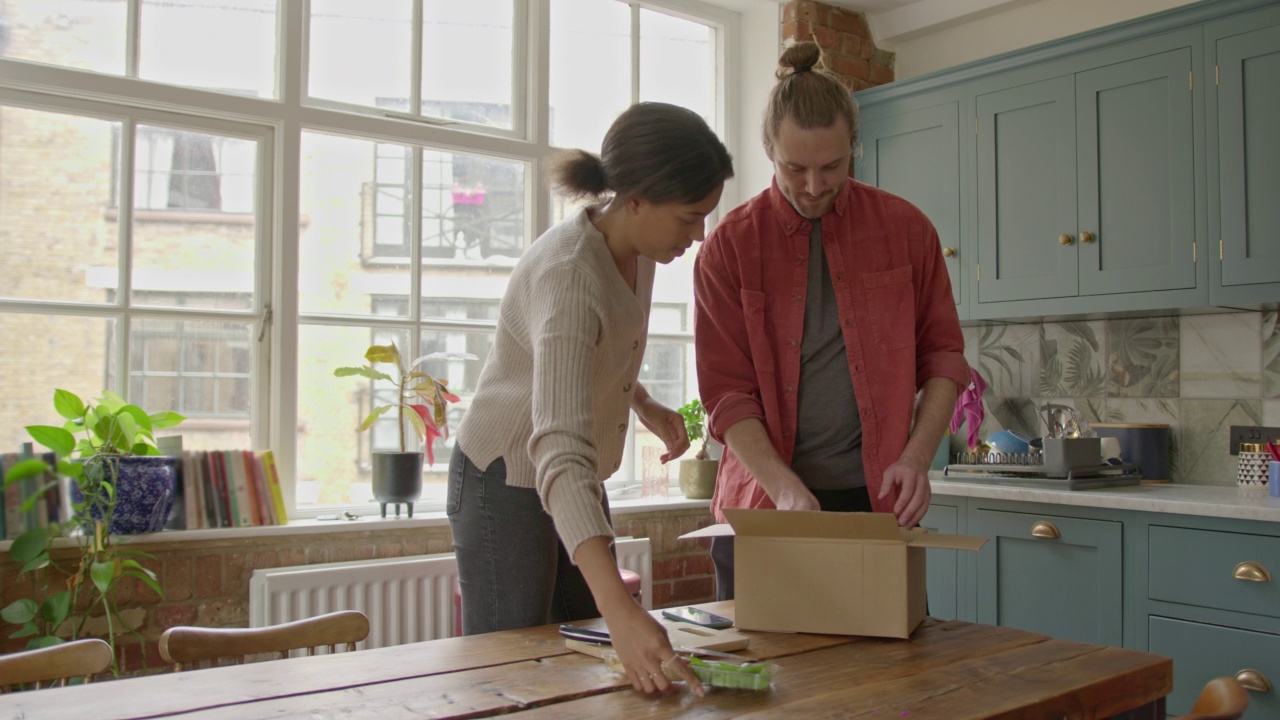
(1251, 571)
(1066, 239)
(1087, 237)
(1045, 529)
(948, 252)
(1253, 680)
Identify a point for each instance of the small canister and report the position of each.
(1251, 468)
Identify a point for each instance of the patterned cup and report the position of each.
(1251, 468)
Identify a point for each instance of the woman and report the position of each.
(548, 422)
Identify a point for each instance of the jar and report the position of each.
(1251, 468)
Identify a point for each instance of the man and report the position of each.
(823, 307)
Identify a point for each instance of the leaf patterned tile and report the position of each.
(1009, 359)
(1206, 432)
(1220, 355)
(1071, 359)
(971, 336)
(1270, 354)
(1020, 414)
(1142, 357)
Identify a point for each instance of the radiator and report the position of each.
(406, 599)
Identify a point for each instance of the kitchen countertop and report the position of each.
(1223, 501)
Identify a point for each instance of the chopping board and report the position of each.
(681, 634)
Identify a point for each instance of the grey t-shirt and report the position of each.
(828, 453)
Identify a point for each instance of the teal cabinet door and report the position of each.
(1026, 192)
(916, 155)
(1244, 157)
(1061, 576)
(942, 567)
(1136, 175)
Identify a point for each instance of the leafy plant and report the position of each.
(422, 398)
(695, 417)
(89, 446)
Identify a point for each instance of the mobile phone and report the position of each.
(697, 617)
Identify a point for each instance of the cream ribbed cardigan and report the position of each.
(554, 396)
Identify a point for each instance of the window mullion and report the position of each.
(415, 54)
(132, 31)
(635, 52)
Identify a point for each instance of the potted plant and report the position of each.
(120, 485)
(697, 476)
(420, 406)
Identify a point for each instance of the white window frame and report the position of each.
(278, 123)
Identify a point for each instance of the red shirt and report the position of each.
(894, 299)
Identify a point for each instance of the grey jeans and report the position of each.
(513, 570)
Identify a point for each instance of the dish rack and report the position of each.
(1063, 463)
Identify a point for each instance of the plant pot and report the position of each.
(397, 478)
(698, 478)
(144, 488)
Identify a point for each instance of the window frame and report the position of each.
(278, 124)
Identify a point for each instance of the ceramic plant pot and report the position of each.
(144, 492)
(698, 478)
(397, 478)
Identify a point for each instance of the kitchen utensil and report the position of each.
(1009, 441)
(1144, 444)
(1274, 449)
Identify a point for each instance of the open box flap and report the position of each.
(814, 524)
(718, 530)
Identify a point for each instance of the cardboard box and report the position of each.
(828, 572)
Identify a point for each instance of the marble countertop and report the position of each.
(1223, 501)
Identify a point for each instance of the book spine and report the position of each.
(273, 480)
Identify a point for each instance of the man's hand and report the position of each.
(795, 496)
(913, 491)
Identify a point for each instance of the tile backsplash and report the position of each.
(1198, 373)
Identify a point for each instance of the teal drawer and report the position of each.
(1200, 567)
(1202, 652)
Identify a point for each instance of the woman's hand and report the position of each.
(645, 651)
(639, 640)
(662, 421)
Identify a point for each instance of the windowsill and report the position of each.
(364, 523)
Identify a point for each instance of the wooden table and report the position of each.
(948, 670)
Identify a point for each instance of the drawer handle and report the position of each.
(1251, 571)
(1253, 680)
(1045, 529)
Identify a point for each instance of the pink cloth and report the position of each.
(894, 300)
(969, 410)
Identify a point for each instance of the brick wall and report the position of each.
(845, 40)
(206, 582)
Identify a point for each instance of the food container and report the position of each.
(1252, 468)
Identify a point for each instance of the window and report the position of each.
(212, 237)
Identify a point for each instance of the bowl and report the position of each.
(1009, 441)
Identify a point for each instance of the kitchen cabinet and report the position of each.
(1243, 52)
(912, 149)
(1050, 573)
(943, 578)
(1202, 590)
(1085, 182)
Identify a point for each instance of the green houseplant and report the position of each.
(697, 475)
(107, 448)
(420, 406)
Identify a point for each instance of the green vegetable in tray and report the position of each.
(747, 676)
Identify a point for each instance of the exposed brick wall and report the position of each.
(206, 582)
(845, 40)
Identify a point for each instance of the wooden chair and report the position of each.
(1223, 698)
(185, 646)
(54, 665)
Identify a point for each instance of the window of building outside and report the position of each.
(386, 197)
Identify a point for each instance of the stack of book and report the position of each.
(227, 488)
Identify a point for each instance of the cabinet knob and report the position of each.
(1087, 237)
(1045, 529)
(948, 252)
(1251, 571)
(1253, 680)
(1066, 239)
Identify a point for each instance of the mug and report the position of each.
(1273, 478)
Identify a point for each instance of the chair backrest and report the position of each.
(186, 646)
(1222, 699)
(54, 665)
